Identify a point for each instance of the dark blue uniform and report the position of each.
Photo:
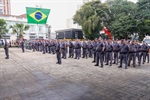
(6, 48)
(64, 47)
(123, 55)
(77, 50)
(71, 50)
(90, 47)
(116, 50)
(109, 50)
(58, 52)
(132, 54)
(138, 51)
(85, 50)
(22, 46)
(94, 50)
(144, 49)
(99, 54)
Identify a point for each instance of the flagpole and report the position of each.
(37, 34)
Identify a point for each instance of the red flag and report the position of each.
(107, 32)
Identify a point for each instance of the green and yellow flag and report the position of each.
(37, 15)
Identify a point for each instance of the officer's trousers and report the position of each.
(123, 57)
(71, 52)
(132, 56)
(99, 58)
(143, 54)
(138, 57)
(78, 53)
(64, 54)
(108, 57)
(22, 48)
(58, 55)
(90, 53)
(116, 57)
(6, 53)
(147, 57)
(85, 53)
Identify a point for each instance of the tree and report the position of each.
(122, 22)
(143, 17)
(3, 29)
(19, 29)
(90, 18)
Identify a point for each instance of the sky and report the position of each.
(61, 10)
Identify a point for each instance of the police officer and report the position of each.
(147, 53)
(6, 48)
(132, 53)
(144, 49)
(22, 45)
(71, 49)
(138, 51)
(104, 52)
(85, 49)
(123, 54)
(64, 47)
(58, 52)
(44, 46)
(53, 46)
(99, 53)
(90, 47)
(40, 46)
(109, 50)
(33, 45)
(94, 50)
(116, 50)
(77, 50)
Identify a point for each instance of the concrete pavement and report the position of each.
(35, 76)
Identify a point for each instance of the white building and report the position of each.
(35, 31)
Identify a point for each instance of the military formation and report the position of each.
(103, 52)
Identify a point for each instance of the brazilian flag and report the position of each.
(37, 15)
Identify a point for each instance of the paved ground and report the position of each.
(34, 76)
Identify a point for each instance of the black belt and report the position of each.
(123, 52)
(108, 51)
(132, 52)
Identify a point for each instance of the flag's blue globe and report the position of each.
(38, 15)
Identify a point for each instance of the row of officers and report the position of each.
(102, 51)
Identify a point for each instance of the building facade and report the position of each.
(34, 32)
(5, 7)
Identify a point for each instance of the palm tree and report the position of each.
(19, 29)
(3, 29)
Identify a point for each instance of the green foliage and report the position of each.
(19, 29)
(3, 29)
(143, 17)
(89, 17)
(121, 17)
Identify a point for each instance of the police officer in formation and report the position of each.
(22, 44)
(6, 48)
(106, 52)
